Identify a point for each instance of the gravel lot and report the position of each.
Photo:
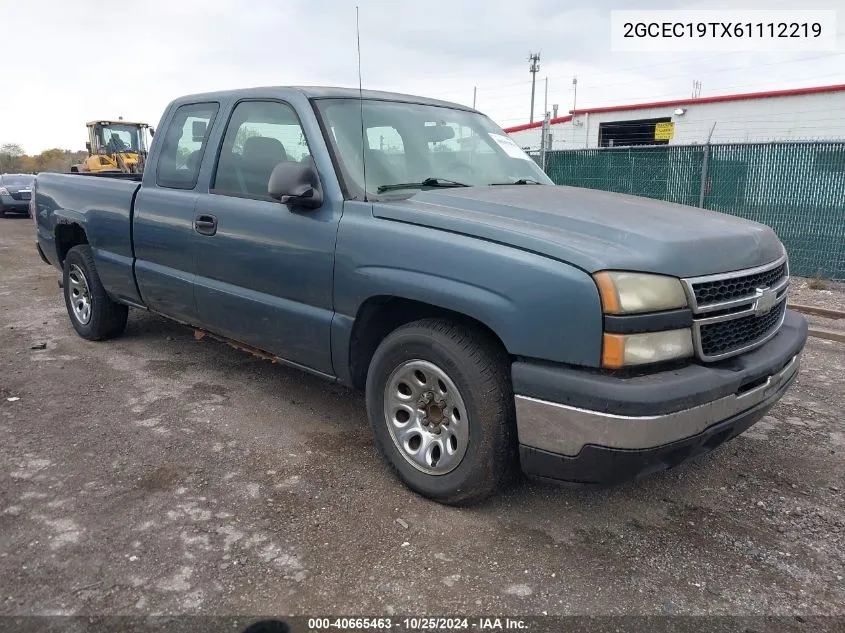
(158, 474)
(831, 296)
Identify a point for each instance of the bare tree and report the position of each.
(10, 157)
(244, 132)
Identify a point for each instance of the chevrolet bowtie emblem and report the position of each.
(765, 301)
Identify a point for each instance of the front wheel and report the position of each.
(441, 406)
(92, 312)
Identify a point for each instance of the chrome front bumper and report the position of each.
(566, 430)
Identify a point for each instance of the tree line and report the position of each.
(13, 160)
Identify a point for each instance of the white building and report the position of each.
(799, 114)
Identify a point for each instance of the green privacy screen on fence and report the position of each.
(796, 188)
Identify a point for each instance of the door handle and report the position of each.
(205, 224)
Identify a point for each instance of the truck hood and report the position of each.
(594, 230)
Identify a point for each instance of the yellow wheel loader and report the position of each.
(115, 147)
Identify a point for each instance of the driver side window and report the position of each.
(259, 136)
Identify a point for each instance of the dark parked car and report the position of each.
(15, 190)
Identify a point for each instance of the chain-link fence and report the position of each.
(796, 188)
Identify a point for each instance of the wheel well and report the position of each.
(68, 236)
(379, 316)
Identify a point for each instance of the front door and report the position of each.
(264, 269)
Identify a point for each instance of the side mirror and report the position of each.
(152, 131)
(296, 184)
(88, 146)
(198, 129)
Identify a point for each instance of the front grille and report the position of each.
(726, 309)
(730, 288)
(19, 195)
(725, 337)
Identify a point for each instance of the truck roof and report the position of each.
(318, 92)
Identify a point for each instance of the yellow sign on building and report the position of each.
(664, 131)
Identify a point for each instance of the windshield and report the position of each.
(420, 146)
(116, 137)
(17, 181)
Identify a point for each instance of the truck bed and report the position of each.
(102, 206)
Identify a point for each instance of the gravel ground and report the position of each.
(158, 474)
(831, 297)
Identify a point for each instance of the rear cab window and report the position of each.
(184, 145)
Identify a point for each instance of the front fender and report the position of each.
(539, 307)
(438, 290)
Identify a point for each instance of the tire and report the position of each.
(92, 313)
(475, 372)
(2, 213)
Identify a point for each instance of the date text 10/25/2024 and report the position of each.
(417, 624)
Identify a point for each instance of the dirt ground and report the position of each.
(158, 474)
(821, 294)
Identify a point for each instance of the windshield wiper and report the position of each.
(521, 181)
(428, 182)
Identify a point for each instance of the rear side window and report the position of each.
(184, 144)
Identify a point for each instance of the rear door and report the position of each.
(264, 269)
(163, 224)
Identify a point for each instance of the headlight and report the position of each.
(4, 191)
(629, 293)
(623, 350)
(624, 293)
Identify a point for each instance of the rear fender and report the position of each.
(64, 221)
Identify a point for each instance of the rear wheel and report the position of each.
(93, 314)
(441, 406)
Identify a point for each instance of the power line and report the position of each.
(610, 72)
(726, 68)
(665, 63)
(498, 87)
(715, 70)
(674, 95)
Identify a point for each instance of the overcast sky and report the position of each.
(70, 62)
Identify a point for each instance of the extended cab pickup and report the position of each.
(409, 248)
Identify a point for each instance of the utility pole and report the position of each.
(696, 89)
(474, 93)
(534, 68)
(702, 188)
(546, 100)
(545, 140)
(574, 92)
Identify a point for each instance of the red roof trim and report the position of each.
(739, 97)
(792, 92)
(529, 126)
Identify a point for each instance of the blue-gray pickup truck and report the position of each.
(409, 248)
